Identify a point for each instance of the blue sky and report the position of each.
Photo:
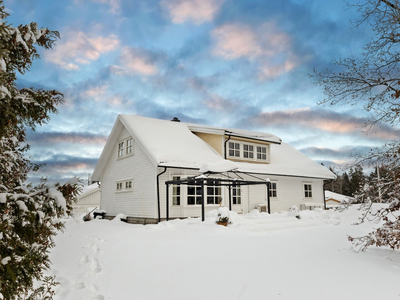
(233, 63)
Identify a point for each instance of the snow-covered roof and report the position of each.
(261, 136)
(173, 144)
(89, 189)
(336, 196)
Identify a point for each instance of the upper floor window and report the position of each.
(129, 145)
(120, 149)
(234, 149)
(248, 151)
(125, 147)
(307, 190)
(261, 153)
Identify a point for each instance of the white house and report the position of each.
(88, 198)
(334, 199)
(149, 162)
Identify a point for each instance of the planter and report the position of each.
(222, 223)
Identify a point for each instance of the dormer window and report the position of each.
(248, 151)
(261, 153)
(239, 150)
(234, 149)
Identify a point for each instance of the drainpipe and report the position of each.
(229, 137)
(158, 193)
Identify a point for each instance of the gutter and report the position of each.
(226, 141)
(158, 193)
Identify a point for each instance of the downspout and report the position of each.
(158, 193)
(229, 137)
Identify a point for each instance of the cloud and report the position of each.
(265, 44)
(324, 120)
(344, 152)
(196, 11)
(65, 137)
(80, 49)
(137, 61)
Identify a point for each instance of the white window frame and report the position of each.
(216, 195)
(235, 195)
(307, 193)
(176, 191)
(237, 149)
(241, 151)
(125, 185)
(129, 146)
(121, 149)
(272, 189)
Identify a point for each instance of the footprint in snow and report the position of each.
(79, 285)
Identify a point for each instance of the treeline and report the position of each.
(352, 181)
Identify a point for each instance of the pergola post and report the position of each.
(268, 199)
(167, 197)
(230, 197)
(202, 201)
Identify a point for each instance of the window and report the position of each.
(120, 149)
(129, 144)
(248, 151)
(176, 192)
(128, 185)
(261, 153)
(273, 191)
(213, 192)
(236, 195)
(124, 185)
(193, 194)
(307, 190)
(234, 149)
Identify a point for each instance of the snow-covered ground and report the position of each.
(258, 256)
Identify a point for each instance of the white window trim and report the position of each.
(304, 191)
(277, 194)
(255, 145)
(124, 188)
(125, 148)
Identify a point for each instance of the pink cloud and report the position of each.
(265, 44)
(196, 11)
(80, 49)
(136, 61)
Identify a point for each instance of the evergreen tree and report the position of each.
(30, 215)
(346, 186)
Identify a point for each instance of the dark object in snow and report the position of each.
(124, 220)
(298, 217)
(88, 216)
(99, 213)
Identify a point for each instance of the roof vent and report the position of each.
(175, 119)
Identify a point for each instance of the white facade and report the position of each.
(139, 149)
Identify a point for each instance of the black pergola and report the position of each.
(203, 180)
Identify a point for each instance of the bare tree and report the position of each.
(372, 79)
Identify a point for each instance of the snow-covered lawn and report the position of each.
(259, 256)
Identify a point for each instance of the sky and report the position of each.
(229, 63)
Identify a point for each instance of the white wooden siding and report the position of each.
(141, 201)
(290, 192)
(90, 199)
